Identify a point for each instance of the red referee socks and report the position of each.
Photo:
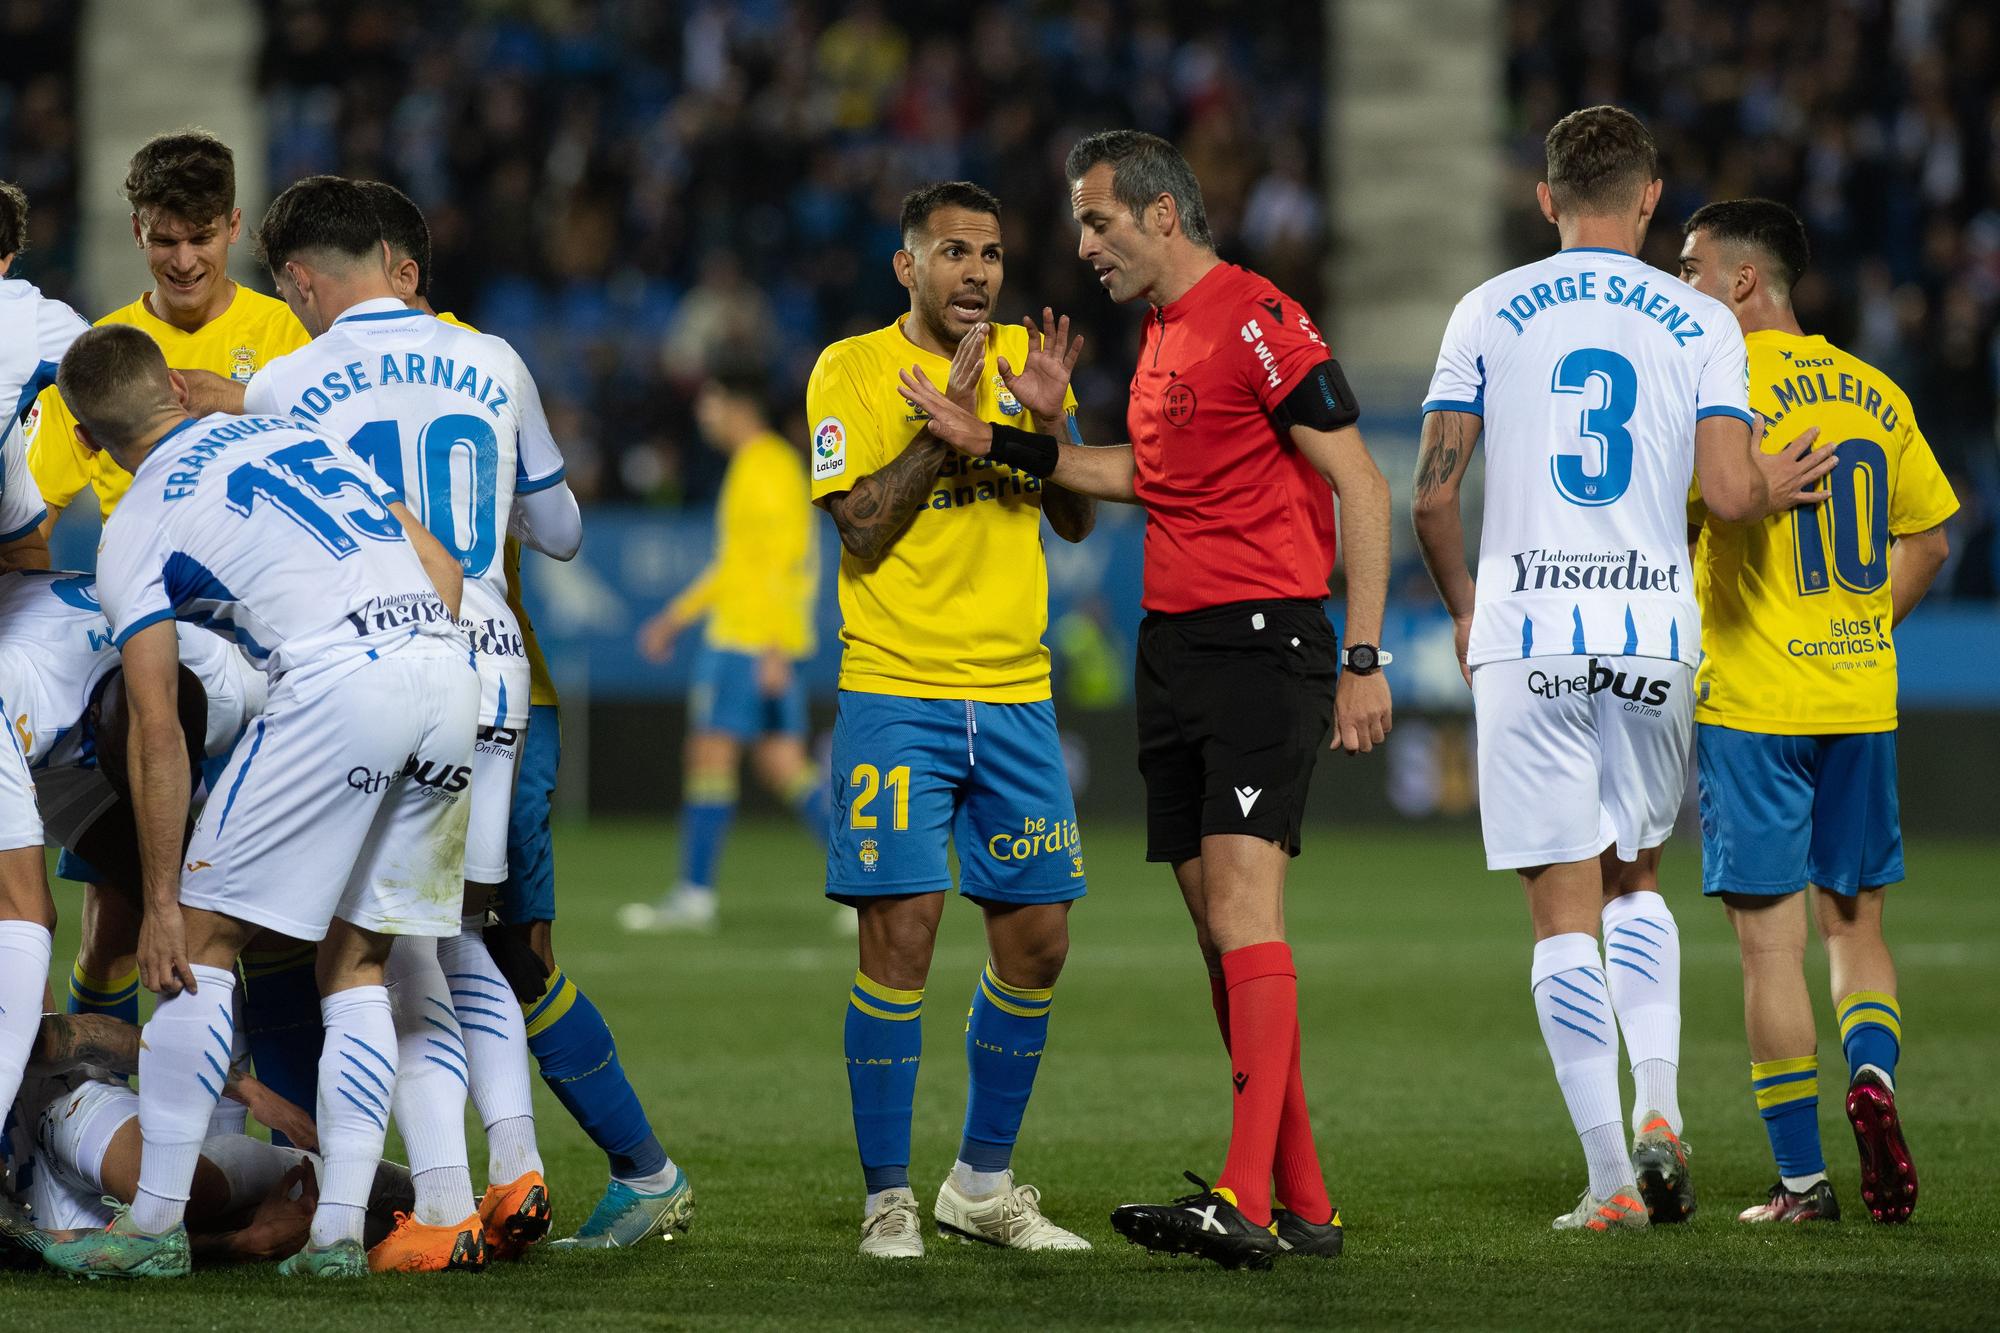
(1263, 1034)
(1301, 1186)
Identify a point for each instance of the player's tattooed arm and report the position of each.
(1443, 454)
(882, 504)
(878, 510)
(68, 1040)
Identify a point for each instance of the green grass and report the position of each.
(1445, 1138)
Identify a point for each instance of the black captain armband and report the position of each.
(1024, 451)
(1320, 401)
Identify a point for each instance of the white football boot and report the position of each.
(893, 1230)
(1010, 1217)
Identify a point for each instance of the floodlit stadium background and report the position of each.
(630, 190)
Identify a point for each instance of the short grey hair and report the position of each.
(1144, 167)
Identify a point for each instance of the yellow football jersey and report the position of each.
(1795, 610)
(541, 685)
(255, 329)
(758, 591)
(955, 609)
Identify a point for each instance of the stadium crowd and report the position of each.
(625, 189)
(1880, 122)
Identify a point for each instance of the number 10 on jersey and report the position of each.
(458, 481)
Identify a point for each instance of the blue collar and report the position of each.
(394, 309)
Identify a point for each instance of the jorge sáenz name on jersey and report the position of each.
(1846, 637)
(1642, 694)
(1615, 290)
(403, 610)
(1542, 570)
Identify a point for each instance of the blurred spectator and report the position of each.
(1879, 122)
(38, 134)
(627, 189)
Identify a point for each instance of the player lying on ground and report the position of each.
(73, 1154)
(1602, 386)
(1796, 713)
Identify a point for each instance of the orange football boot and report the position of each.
(413, 1247)
(516, 1215)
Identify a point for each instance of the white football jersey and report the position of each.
(452, 422)
(1590, 369)
(268, 532)
(34, 334)
(55, 650)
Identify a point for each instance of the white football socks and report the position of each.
(977, 1184)
(230, 1116)
(1573, 1005)
(1642, 957)
(357, 1070)
(183, 1063)
(496, 1047)
(430, 1085)
(24, 973)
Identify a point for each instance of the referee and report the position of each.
(1242, 430)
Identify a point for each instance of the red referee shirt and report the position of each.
(1233, 511)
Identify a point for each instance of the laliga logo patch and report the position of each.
(242, 364)
(1009, 404)
(829, 449)
(868, 854)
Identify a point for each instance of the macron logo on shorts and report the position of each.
(1247, 797)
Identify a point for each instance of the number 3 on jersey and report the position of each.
(1604, 426)
(456, 448)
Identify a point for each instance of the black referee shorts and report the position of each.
(1235, 703)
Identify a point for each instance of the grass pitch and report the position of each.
(1445, 1138)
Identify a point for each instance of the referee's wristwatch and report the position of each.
(1365, 659)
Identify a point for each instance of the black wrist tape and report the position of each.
(1024, 451)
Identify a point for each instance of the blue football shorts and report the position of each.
(529, 891)
(914, 779)
(1781, 812)
(723, 697)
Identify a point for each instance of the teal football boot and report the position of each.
(624, 1217)
(121, 1250)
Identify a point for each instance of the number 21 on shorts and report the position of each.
(871, 780)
